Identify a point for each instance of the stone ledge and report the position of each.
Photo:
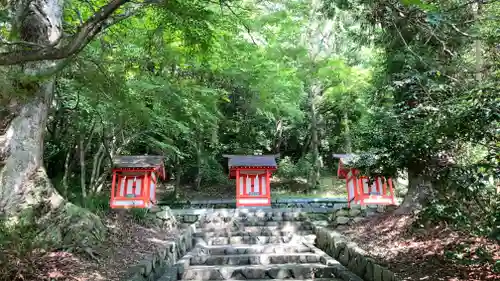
(351, 256)
(354, 214)
(163, 259)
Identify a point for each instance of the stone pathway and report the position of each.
(256, 245)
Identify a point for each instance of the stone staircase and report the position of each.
(256, 245)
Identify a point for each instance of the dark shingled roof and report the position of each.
(252, 160)
(137, 161)
(340, 156)
(346, 158)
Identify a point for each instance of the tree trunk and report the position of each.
(178, 175)
(419, 192)
(347, 134)
(278, 136)
(23, 180)
(82, 169)
(199, 165)
(316, 162)
(67, 171)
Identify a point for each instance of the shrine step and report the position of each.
(256, 259)
(271, 225)
(269, 215)
(252, 249)
(251, 240)
(285, 271)
(168, 278)
(250, 232)
(280, 224)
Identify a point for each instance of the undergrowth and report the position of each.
(18, 247)
(467, 201)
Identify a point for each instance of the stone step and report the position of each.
(251, 225)
(251, 240)
(279, 224)
(315, 279)
(256, 259)
(285, 271)
(252, 249)
(250, 232)
(270, 215)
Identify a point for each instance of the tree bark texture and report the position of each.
(24, 183)
(418, 194)
(21, 144)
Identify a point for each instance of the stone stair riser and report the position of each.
(252, 249)
(303, 271)
(254, 259)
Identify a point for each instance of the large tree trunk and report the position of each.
(24, 183)
(418, 194)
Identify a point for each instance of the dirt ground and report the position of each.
(329, 187)
(434, 254)
(128, 243)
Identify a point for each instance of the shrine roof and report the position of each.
(252, 160)
(140, 161)
(346, 158)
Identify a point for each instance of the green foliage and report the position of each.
(17, 242)
(190, 84)
(98, 203)
(467, 200)
(140, 215)
(433, 107)
(289, 170)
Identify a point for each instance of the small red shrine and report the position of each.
(359, 190)
(134, 181)
(253, 178)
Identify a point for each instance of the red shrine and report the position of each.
(134, 181)
(252, 174)
(359, 191)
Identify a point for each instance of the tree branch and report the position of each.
(87, 31)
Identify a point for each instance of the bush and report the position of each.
(98, 203)
(466, 200)
(289, 170)
(17, 244)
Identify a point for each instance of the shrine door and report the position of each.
(252, 188)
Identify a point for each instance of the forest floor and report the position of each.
(329, 187)
(127, 244)
(434, 254)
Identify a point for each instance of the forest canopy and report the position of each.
(409, 86)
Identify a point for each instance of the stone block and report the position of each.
(380, 208)
(377, 273)
(361, 263)
(169, 275)
(136, 277)
(342, 213)
(347, 275)
(278, 273)
(388, 275)
(342, 220)
(357, 219)
(339, 249)
(147, 266)
(344, 256)
(354, 212)
(369, 269)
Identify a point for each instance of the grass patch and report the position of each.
(329, 187)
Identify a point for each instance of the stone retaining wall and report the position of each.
(355, 214)
(350, 255)
(164, 258)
